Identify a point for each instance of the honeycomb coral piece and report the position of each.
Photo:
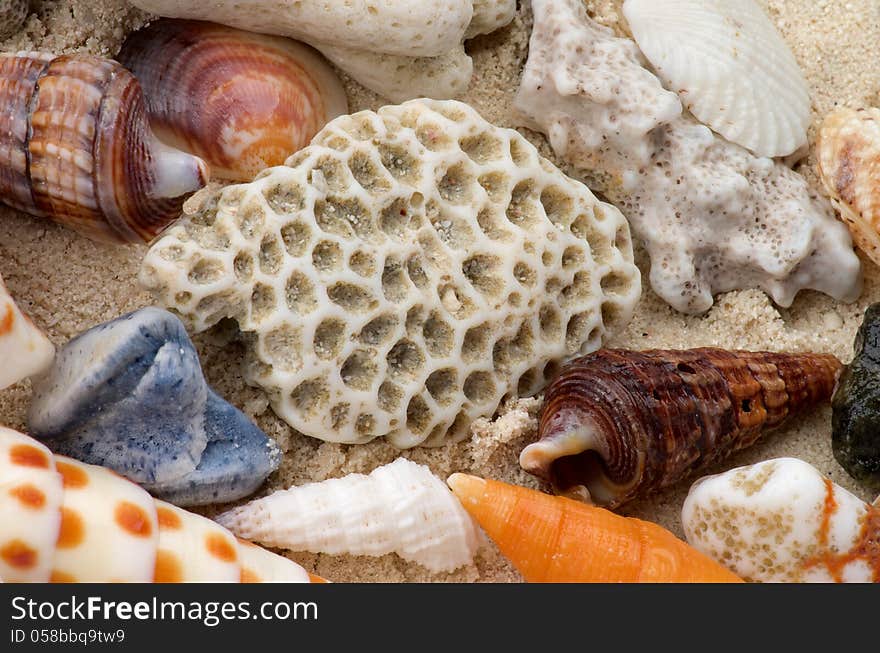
(713, 216)
(403, 273)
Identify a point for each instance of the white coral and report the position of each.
(713, 216)
(403, 273)
(401, 49)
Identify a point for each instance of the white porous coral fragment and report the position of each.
(401, 49)
(24, 350)
(408, 27)
(713, 216)
(782, 521)
(399, 508)
(401, 78)
(403, 273)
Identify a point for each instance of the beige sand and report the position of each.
(68, 283)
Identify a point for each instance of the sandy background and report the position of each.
(68, 283)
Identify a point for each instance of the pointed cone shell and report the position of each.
(24, 350)
(782, 521)
(75, 147)
(848, 150)
(109, 529)
(619, 424)
(399, 508)
(241, 101)
(730, 66)
(30, 508)
(556, 540)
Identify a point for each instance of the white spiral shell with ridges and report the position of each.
(399, 508)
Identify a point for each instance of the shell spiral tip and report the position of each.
(466, 487)
(178, 173)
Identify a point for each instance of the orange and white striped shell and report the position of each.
(848, 150)
(24, 350)
(241, 101)
(76, 147)
(65, 521)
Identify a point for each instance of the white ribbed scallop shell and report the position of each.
(399, 508)
(730, 66)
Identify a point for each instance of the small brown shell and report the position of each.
(75, 147)
(617, 424)
(242, 101)
(849, 163)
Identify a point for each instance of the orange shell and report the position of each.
(241, 101)
(552, 539)
(848, 154)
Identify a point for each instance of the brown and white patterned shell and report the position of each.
(76, 147)
(241, 101)
(849, 163)
(618, 424)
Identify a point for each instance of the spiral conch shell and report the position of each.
(65, 521)
(241, 101)
(399, 508)
(24, 350)
(849, 163)
(783, 521)
(75, 146)
(617, 424)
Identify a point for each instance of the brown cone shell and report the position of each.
(241, 101)
(619, 424)
(76, 147)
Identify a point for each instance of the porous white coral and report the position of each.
(713, 216)
(403, 273)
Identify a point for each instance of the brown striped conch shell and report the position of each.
(12, 16)
(76, 147)
(848, 150)
(619, 424)
(65, 521)
(241, 101)
(24, 350)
